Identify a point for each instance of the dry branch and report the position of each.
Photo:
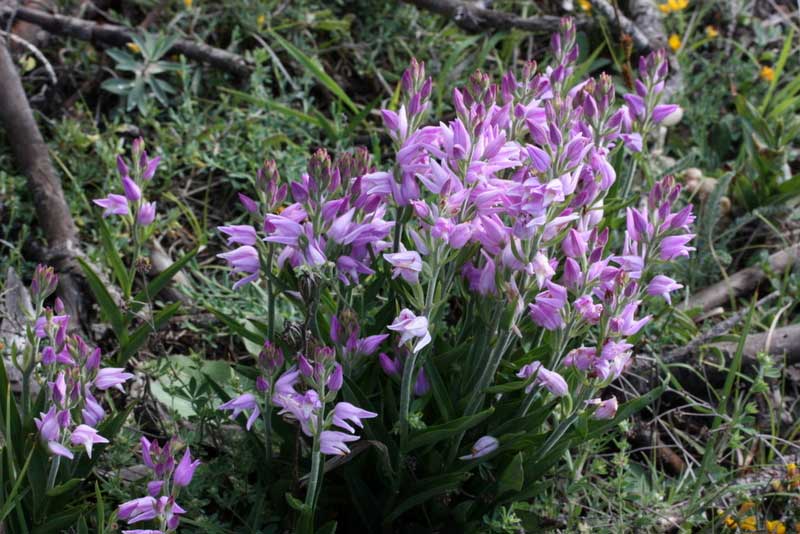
(114, 35)
(33, 159)
(473, 18)
(743, 282)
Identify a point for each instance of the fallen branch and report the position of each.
(114, 35)
(33, 159)
(472, 18)
(623, 24)
(743, 282)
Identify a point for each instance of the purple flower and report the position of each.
(667, 114)
(86, 436)
(92, 412)
(606, 409)
(369, 344)
(241, 234)
(136, 510)
(146, 214)
(588, 310)
(411, 326)
(407, 264)
(59, 450)
(662, 286)
(113, 204)
(48, 426)
(675, 246)
(390, 366)
(336, 379)
(132, 190)
(574, 245)
(421, 385)
(546, 312)
(240, 404)
(111, 377)
(249, 204)
(150, 168)
(550, 380)
(243, 260)
(344, 412)
(625, 324)
(185, 470)
(485, 445)
(334, 443)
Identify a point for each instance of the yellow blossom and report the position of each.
(775, 527)
(188, 4)
(133, 47)
(586, 5)
(791, 470)
(746, 506)
(730, 522)
(674, 42)
(767, 73)
(664, 8)
(749, 524)
(678, 5)
(711, 32)
(261, 20)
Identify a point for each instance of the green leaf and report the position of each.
(100, 508)
(112, 254)
(316, 69)
(15, 495)
(434, 434)
(237, 327)
(296, 503)
(158, 283)
(63, 488)
(83, 528)
(108, 307)
(140, 335)
(513, 476)
(426, 489)
(328, 528)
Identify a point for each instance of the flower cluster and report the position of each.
(302, 393)
(74, 378)
(479, 227)
(167, 480)
(131, 204)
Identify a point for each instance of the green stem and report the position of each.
(270, 295)
(51, 477)
(306, 523)
(406, 387)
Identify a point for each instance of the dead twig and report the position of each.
(114, 35)
(33, 159)
(743, 282)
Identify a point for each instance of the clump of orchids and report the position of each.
(71, 374)
(487, 231)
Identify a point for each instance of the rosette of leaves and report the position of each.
(144, 60)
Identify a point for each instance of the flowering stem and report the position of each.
(405, 395)
(270, 295)
(306, 523)
(51, 477)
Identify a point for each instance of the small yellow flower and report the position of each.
(749, 524)
(730, 522)
(674, 42)
(678, 5)
(775, 527)
(746, 506)
(767, 73)
(188, 4)
(261, 20)
(133, 47)
(791, 470)
(711, 32)
(665, 9)
(586, 5)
